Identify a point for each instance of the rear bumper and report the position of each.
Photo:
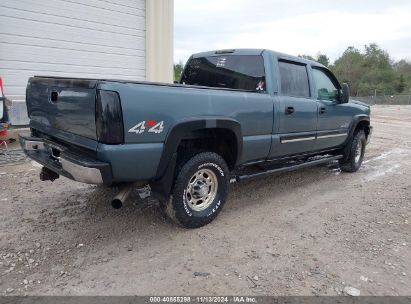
(53, 156)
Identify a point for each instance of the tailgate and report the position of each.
(63, 104)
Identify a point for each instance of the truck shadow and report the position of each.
(76, 214)
(254, 191)
(87, 214)
(142, 213)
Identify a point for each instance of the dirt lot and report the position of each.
(314, 231)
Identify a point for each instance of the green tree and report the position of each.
(350, 68)
(323, 59)
(370, 70)
(403, 67)
(400, 87)
(377, 58)
(308, 57)
(379, 70)
(178, 70)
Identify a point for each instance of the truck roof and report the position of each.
(228, 52)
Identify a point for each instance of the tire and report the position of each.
(200, 190)
(356, 153)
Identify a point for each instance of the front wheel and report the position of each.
(200, 190)
(356, 153)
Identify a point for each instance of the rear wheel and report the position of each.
(356, 153)
(200, 190)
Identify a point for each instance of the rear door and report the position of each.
(296, 111)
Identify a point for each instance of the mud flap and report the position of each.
(162, 186)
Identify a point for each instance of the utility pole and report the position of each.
(409, 97)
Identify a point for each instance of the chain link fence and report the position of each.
(385, 99)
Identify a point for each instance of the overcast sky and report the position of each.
(292, 26)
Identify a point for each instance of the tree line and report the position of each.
(370, 71)
(367, 72)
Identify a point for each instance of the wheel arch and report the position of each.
(184, 130)
(359, 122)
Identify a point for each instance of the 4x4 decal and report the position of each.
(151, 125)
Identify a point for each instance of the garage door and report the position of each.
(72, 38)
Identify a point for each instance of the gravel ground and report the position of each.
(315, 231)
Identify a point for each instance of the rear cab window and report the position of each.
(238, 72)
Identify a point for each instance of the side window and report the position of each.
(325, 87)
(294, 79)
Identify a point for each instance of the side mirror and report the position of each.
(345, 96)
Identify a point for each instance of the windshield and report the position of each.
(241, 72)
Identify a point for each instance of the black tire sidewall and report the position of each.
(184, 214)
(350, 165)
(360, 137)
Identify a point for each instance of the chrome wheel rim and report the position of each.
(358, 151)
(201, 189)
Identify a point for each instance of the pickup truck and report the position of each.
(233, 116)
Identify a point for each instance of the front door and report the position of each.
(296, 112)
(334, 118)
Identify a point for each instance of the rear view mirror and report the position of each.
(345, 95)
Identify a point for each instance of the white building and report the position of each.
(118, 39)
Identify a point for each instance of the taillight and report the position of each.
(109, 118)
(1, 88)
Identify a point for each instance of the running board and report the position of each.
(284, 169)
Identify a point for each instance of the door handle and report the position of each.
(323, 110)
(289, 110)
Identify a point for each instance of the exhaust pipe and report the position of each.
(119, 200)
(122, 196)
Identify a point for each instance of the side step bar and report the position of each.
(289, 168)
